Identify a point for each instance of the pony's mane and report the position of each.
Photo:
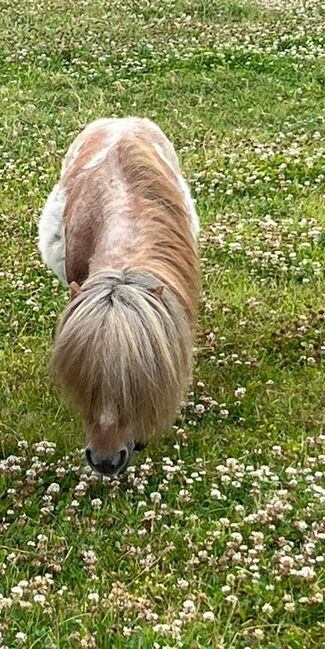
(166, 246)
(124, 353)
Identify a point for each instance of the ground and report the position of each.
(215, 537)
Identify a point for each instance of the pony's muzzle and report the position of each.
(109, 465)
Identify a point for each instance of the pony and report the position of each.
(120, 229)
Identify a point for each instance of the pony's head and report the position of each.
(123, 352)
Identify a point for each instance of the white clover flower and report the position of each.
(184, 494)
(17, 592)
(93, 597)
(189, 606)
(161, 628)
(215, 493)
(307, 572)
(155, 497)
(21, 637)
(267, 609)
(81, 488)
(96, 504)
(53, 488)
(289, 607)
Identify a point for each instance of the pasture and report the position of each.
(215, 535)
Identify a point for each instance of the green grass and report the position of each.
(229, 554)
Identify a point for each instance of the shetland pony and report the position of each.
(120, 230)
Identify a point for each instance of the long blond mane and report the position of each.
(167, 247)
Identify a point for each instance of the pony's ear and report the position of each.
(74, 290)
(158, 291)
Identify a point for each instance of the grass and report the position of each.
(215, 537)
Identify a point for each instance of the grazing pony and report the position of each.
(120, 229)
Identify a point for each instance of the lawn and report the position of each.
(215, 536)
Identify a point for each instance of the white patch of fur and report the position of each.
(97, 158)
(107, 419)
(190, 205)
(75, 146)
(115, 129)
(188, 200)
(51, 242)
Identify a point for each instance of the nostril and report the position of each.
(120, 460)
(88, 455)
(140, 446)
